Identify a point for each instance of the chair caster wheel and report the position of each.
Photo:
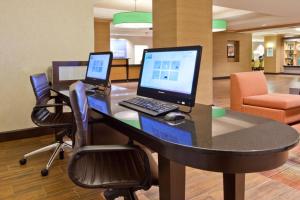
(22, 161)
(61, 155)
(44, 172)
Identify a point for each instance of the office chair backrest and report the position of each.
(40, 87)
(79, 105)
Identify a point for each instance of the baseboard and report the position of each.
(281, 73)
(25, 133)
(273, 73)
(289, 73)
(221, 77)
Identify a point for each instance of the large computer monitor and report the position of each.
(98, 69)
(170, 74)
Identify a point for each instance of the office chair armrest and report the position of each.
(106, 148)
(50, 105)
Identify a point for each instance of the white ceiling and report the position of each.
(286, 32)
(283, 8)
(240, 14)
(141, 5)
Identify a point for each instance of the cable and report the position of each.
(187, 112)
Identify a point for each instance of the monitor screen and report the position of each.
(166, 132)
(98, 68)
(170, 74)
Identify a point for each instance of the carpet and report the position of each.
(289, 173)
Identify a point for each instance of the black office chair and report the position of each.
(61, 122)
(120, 169)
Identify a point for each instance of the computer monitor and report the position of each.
(170, 74)
(98, 68)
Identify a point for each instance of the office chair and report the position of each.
(61, 122)
(120, 169)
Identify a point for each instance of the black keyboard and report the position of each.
(150, 106)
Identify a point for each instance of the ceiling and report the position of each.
(258, 36)
(242, 15)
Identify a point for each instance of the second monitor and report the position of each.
(98, 69)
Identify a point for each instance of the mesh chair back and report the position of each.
(79, 105)
(40, 87)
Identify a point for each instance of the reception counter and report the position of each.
(293, 69)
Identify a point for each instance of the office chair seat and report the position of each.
(42, 117)
(109, 170)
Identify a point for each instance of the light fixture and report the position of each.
(219, 25)
(297, 29)
(133, 19)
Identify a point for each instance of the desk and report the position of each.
(215, 140)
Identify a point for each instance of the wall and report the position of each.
(102, 35)
(221, 67)
(178, 23)
(274, 64)
(33, 34)
(134, 40)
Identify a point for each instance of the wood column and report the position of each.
(273, 64)
(102, 35)
(187, 22)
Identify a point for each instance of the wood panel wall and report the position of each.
(221, 65)
(102, 35)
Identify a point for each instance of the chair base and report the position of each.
(112, 194)
(58, 150)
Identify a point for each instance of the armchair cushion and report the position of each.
(276, 101)
(246, 84)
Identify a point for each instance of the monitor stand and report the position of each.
(100, 89)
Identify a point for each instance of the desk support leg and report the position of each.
(234, 186)
(171, 180)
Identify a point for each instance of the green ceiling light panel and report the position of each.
(219, 25)
(134, 19)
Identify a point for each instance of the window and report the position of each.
(119, 48)
(138, 53)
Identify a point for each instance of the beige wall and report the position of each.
(33, 34)
(102, 35)
(274, 64)
(221, 67)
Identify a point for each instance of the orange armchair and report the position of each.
(249, 94)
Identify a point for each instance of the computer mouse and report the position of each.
(173, 116)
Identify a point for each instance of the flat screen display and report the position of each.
(171, 71)
(98, 68)
(166, 132)
(170, 74)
